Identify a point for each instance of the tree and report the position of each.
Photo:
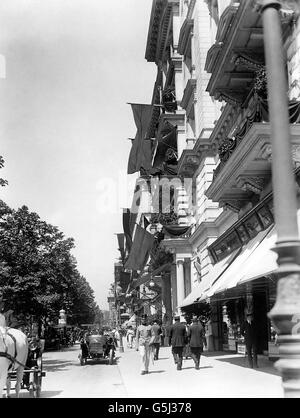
(2, 182)
(38, 274)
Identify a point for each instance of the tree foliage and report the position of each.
(38, 273)
(2, 181)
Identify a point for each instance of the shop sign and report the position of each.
(241, 349)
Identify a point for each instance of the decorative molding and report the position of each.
(185, 35)
(233, 205)
(248, 59)
(266, 154)
(189, 93)
(287, 7)
(251, 184)
(224, 124)
(225, 22)
(231, 96)
(159, 27)
(252, 159)
(188, 163)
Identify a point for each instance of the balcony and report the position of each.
(189, 95)
(238, 53)
(248, 168)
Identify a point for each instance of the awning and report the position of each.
(209, 279)
(233, 274)
(263, 260)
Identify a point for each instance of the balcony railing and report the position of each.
(259, 112)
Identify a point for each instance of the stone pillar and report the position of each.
(174, 286)
(167, 302)
(180, 282)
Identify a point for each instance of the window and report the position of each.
(253, 226)
(265, 216)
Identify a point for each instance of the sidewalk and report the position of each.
(221, 375)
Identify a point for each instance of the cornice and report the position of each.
(205, 230)
(223, 27)
(224, 124)
(154, 24)
(188, 163)
(248, 168)
(228, 27)
(189, 93)
(159, 26)
(175, 119)
(185, 35)
(176, 245)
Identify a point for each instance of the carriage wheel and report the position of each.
(111, 356)
(32, 383)
(38, 384)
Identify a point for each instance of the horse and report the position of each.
(13, 356)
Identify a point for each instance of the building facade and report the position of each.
(210, 141)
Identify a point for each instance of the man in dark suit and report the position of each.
(178, 337)
(197, 339)
(250, 333)
(156, 332)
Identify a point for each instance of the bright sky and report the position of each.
(71, 66)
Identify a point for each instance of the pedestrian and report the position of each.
(143, 335)
(178, 340)
(196, 335)
(249, 330)
(129, 336)
(156, 332)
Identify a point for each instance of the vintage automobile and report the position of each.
(97, 346)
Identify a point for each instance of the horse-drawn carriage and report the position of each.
(33, 371)
(97, 346)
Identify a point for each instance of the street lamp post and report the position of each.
(286, 312)
(121, 348)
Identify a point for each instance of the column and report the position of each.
(174, 286)
(167, 302)
(180, 282)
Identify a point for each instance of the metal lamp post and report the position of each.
(286, 311)
(121, 348)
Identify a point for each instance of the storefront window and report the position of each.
(227, 246)
(244, 237)
(265, 216)
(253, 226)
(271, 207)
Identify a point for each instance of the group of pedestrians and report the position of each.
(148, 339)
(181, 335)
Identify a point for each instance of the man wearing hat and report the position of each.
(197, 338)
(178, 339)
(250, 333)
(143, 335)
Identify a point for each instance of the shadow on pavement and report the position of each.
(264, 364)
(56, 365)
(193, 367)
(50, 393)
(157, 371)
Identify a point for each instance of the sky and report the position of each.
(67, 70)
